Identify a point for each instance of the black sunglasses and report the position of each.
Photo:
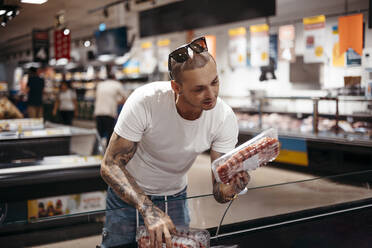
(181, 54)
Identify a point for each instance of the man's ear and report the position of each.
(177, 88)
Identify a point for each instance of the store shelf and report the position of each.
(329, 137)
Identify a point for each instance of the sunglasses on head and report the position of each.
(181, 54)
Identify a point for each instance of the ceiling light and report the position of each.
(17, 12)
(66, 31)
(9, 13)
(34, 1)
(3, 24)
(87, 43)
(2, 11)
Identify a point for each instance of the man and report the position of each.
(160, 131)
(35, 88)
(109, 94)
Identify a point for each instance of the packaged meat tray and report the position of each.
(257, 151)
(184, 238)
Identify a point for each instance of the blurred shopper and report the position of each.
(109, 94)
(35, 87)
(66, 103)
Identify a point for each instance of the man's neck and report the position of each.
(186, 111)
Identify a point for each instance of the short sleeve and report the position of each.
(227, 135)
(133, 118)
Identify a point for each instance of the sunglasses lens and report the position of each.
(199, 45)
(180, 55)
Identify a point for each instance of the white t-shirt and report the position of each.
(66, 100)
(168, 143)
(108, 94)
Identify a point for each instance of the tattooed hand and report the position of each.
(158, 224)
(225, 192)
(113, 170)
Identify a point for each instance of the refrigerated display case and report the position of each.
(43, 161)
(326, 136)
(292, 211)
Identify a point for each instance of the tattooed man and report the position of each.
(161, 129)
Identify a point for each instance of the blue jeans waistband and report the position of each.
(182, 193)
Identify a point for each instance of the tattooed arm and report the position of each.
(113, 170)
(225, 192)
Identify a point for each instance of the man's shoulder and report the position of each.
(154, 89)
(222, 108)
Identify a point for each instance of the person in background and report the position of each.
(109, 94)
(66, 103)
(35, 88)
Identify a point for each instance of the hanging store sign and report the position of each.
(351, 33)
(40, 46)
(287, 43)
(260, 45)
(62, 44)
(163, 52)
(237, 49)
(314, 37)
(338, 59)
(147, 58)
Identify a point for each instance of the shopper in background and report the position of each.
(66, 103)
(35, 88)
(109, 94)
(161, 129)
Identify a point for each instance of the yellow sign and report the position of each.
(319, 51)
(293, 157)
(314, 19)
(259, 28)
(338, 59)
(237, 31)
(165, 42)
(145, 45)
(264, 55)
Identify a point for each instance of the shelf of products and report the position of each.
(263, 116)
(323, 142)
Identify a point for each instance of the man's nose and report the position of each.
(209, 92)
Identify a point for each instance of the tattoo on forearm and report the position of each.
(113, 171)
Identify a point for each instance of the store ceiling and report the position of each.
(78, 15)
(16, 35)
(42, 16)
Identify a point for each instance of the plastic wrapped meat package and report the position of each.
(252, 154)
(184, 238)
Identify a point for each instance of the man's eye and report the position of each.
(199, 90)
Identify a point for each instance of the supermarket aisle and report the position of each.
(259, 201)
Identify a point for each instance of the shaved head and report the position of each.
(197, 60)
